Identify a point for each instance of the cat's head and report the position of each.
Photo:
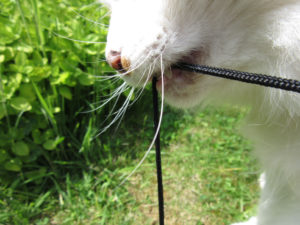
(147, 37)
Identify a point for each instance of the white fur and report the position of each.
(251, 35)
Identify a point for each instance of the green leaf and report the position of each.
(37, 59)
(8, 53)
(2, 111)
(51, 144)
(37, 136)
(27, 91)
(56, 109)
(86, 79)
(36, 175)
(65, 92)
(48, 134)
(27, 69)
(11, 84)
(21, 59)
(39, 73)
(24, 48)
(3, 155)
(20, 149)
(7, 34)
(92, 38)
(20, 104)
(2, 58)
(14, 165)
(64, 78)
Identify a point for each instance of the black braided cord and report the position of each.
(158, 154)
(252, 78)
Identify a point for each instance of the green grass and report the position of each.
(53, 170)
(209, 178)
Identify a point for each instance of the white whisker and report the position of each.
(111, 112)
(113, 95)
(156, 132)
(108, 77)
(150, 71)
(117, 76)
(119, 114)
(117, 92)
(71, 39)
(105, 15)
(90, 20)
(96, 62)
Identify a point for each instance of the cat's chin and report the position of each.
(179, 86)
(176, 79)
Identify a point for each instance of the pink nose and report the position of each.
(118, 62)
(114, 60)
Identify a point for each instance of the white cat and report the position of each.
(147, 36)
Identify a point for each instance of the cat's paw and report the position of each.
(252, 221)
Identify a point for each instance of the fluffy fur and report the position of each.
(260, 36)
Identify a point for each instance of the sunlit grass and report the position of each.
(210, 176)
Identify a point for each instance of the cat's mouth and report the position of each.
(175, 79)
